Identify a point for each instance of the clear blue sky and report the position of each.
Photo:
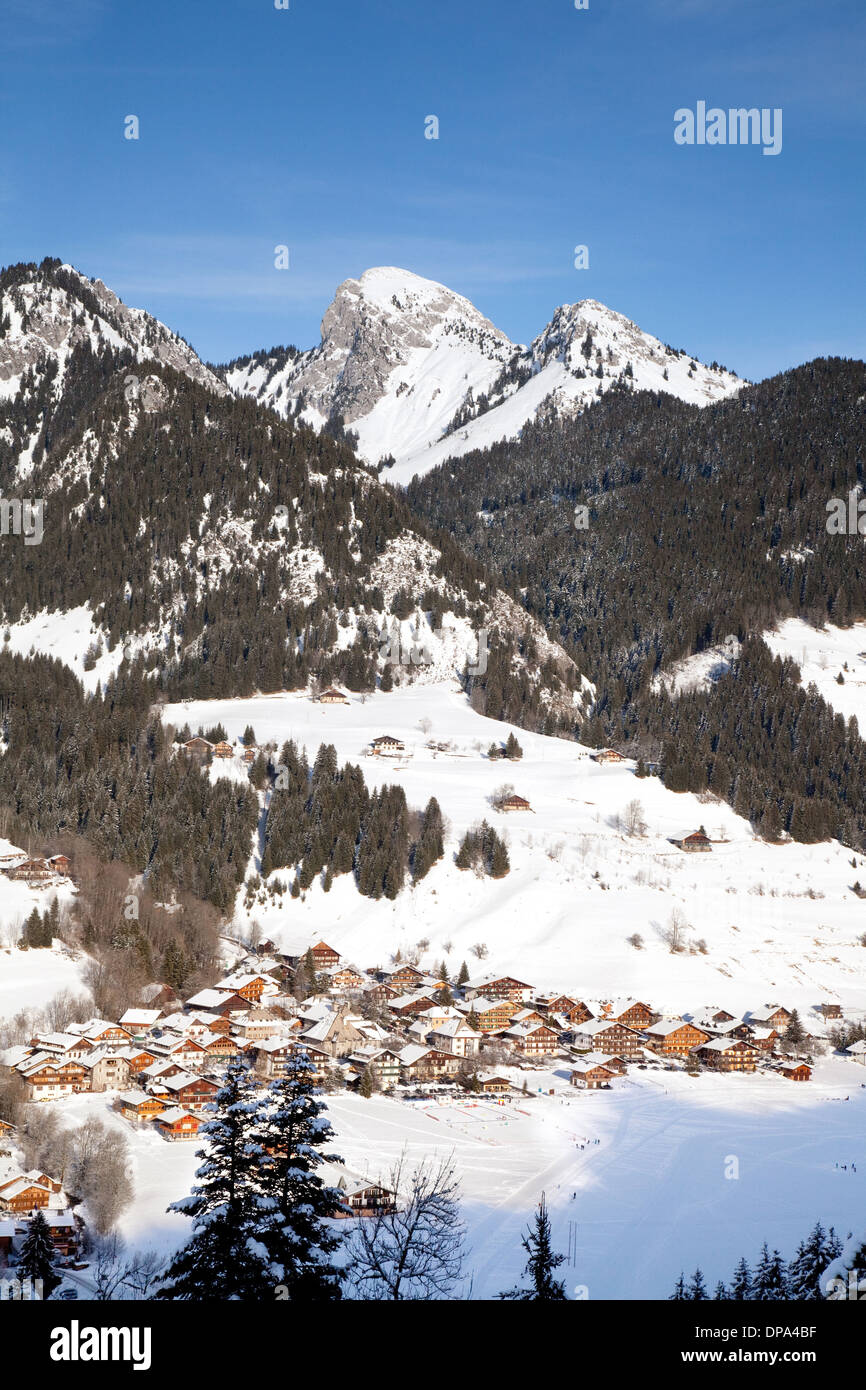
(306, 127)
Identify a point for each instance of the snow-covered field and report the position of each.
(652, 1196)
(778, 921)
(823, 654)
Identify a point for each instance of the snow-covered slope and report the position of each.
(420, 375)
(766, 921)
(48, 311)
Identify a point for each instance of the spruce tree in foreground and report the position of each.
(36, 1260)
(813, 1256)
(540, 1265)
(226, 1259)
(741, 1284)
(770, 1279)
(296, 1235)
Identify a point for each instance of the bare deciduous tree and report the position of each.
(415, 1252)
(633, 818)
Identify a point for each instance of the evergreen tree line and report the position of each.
(100, 767)
(325, 821)
(771, 1278)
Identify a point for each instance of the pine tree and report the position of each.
(741, 1284)
(770, 1280)
(811, 1260)
(679, 1294)
(721, 1291)
(225, 1258)
(37, 1257)
(697, 1288)
(463, 977)
(297, 1237)
(540, 1265)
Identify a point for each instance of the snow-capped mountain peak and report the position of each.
(420, 375)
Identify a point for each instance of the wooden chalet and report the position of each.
(674, 1037)
(608, 755)
(139, 1107)
(490, 1084)
(796, 1071)
(177, 1124)
(333, 696)
(533, 1040)
(387, 746)
(492, 1015)
(360, 1197)
(697, 842)
(610, 1037)
(634, 1013)
(28, 1192)
(500, 987)
(61, 864)
(831, 1010)
(198, 748)
(32, 871)
(728, 1054)
(591, 1076)
(513, 802)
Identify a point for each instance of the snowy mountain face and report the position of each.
(420, 375)
(231, 546)
(49, 311)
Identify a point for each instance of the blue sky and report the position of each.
(305, 127)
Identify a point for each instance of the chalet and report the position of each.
(140, 1022)
(188, 1092)
(6, 1129)
(769, 1016)
(407, 977)
(218, 1046)
(260, 1024)
(500, 987)
(336, 1034)
(342, 978)
(615, 1064)
(138, 1107)
(271, 1056)
(857, 1052)
(322, 955)
(360, 1197)
(491, 1084)
(572, 1010)
(222, 750)
(673, 1037)
(250, 987)
(198, 748)
(386, 746)
(831, 1010)
(384, 1061)
(533, 1040)
(32, 870)
(728, 1054)
(697, 842)
(764, 1039)
(407, 1005)
(61, 864)
(609, 1037)
(457, 1038)
(99, 1030)
(219, 1001)
(608, 755)
(332, 696)
(108, 1070)
(591, 1076)
(513, 802)
(524, 1017)
(249, 754)
(27, 1193)
(632, 1012)
(420, 1063)
(796, 1071)
(492, 1015)
(48, 1078)
(65, 1232)
(177, 1124)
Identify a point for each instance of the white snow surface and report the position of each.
(778, 921)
